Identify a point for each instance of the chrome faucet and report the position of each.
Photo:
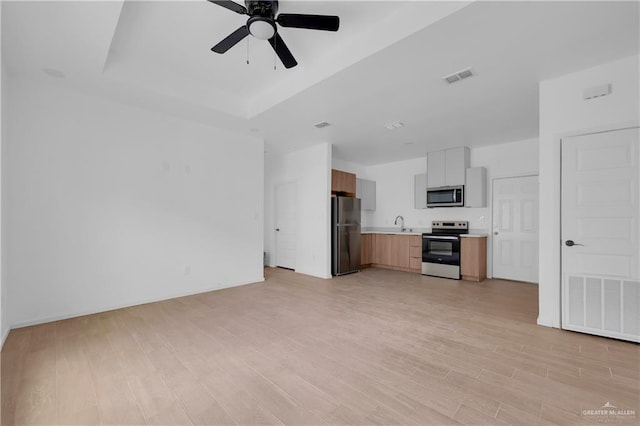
(402, 223)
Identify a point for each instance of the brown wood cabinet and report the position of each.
(343, 182)
(366, 250)
(382, 249)
(415, 253)
(400, 251)
(395, 251)
(473, 258)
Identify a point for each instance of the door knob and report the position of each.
(495, 233)
(570, 243)
(278, 229)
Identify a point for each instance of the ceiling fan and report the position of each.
(262, 25)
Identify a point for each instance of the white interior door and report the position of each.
(600, 257)
(286, 220)
(515, 228)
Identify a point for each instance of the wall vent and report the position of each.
(596, 91)
(322, 125)
(457, 76)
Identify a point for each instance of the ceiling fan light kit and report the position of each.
(262, 25)
(261, 28)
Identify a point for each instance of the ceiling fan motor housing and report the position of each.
(264, 8)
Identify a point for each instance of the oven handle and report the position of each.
(426, 237)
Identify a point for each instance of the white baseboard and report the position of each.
(53, 318)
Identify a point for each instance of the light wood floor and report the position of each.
(378, 347)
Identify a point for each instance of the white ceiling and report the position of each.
(384, 64)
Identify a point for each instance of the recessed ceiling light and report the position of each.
(394, 125)
(52, 72)
(254, 129)
(322, 125)
(408, 143)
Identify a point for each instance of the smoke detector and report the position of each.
(457, 76)
(322, 125)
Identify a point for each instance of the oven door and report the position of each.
(443, 249)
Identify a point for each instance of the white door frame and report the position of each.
(490, 239)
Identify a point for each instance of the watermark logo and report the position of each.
(609, 412)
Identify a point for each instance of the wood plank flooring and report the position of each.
(377, 347)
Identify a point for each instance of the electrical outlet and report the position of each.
(187, 270)
(187, 169)
(166, 167)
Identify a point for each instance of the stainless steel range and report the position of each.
(441, 249)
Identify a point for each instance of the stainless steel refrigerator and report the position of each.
(345, 235)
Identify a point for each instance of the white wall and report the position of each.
(4, 325)
(563, 112)
(395, 195)
(310, 168)
(109, 205)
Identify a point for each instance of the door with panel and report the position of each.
(515, 228)
(600, 234)
(286, 220)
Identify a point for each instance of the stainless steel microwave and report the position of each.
(445, 196)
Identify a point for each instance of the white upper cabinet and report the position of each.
(475, 189)
(420, 191)
(447, 167)
(435, 169)
(366, 191)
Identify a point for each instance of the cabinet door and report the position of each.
(349, 183)
(366, 191)
(382, 249)
(475, 189)
(420, 191)
(400, 249)
(435, 169)
(343, 182)
(365, 249)
(467, 263)
(456, 164)
(473, 258)
(335, 180)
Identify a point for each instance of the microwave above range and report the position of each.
(445, 196)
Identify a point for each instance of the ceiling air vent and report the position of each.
(457, 76)
(322, 125)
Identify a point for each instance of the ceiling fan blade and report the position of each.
(310, 22)
(282, 51)
(228, 4)
(231, 40)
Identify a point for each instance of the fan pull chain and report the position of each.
(248, 50)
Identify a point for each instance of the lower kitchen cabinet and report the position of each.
(415, 253)
(400, 251)
(381, 249)
(395, 251)
(473, 258)
(366, 254)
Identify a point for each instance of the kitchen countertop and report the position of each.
(391, 232)
(394, 231)
(475, 233)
